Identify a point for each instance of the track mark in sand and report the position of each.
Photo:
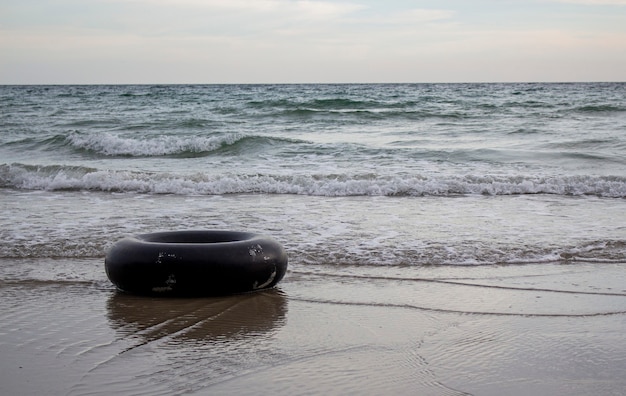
(177, 326)
(468, 312)
(458, 283)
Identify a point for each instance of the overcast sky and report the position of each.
(310, 41)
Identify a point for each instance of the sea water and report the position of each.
(398, 175)
(442, 238)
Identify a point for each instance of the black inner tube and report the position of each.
(196, 263)
(196, 237)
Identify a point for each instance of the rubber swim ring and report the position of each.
(195, 263)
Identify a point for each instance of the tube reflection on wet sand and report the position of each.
(200, 319)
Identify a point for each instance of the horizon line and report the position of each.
(317, 83)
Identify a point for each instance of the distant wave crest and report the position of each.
(109, 144)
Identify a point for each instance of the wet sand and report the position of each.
(553, 329)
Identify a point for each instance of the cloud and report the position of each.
(321, 9)
(593, 2)
(419, 15)
(307, 40)
(301, 8)
(260, 19)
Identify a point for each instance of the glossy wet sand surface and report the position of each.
(516, 330)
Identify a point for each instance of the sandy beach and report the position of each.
(517, 330)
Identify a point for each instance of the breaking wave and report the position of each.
(108, 144)
(57, 177)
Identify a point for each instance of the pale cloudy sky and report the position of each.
(309, 41)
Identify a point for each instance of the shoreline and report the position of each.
(545, 329)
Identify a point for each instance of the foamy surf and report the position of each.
(76, 178)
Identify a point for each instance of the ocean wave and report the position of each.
(600, 108)
(94, 240)
(367, 115)
(116, 145)
(19, 176)
(368, 109)
(459, 254)
(109, 144)
(320, 104)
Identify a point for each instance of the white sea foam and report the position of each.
(345, 231)
(109, 144)
(76, 178)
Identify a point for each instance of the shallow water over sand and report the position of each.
(548, 328)
(345, 231)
